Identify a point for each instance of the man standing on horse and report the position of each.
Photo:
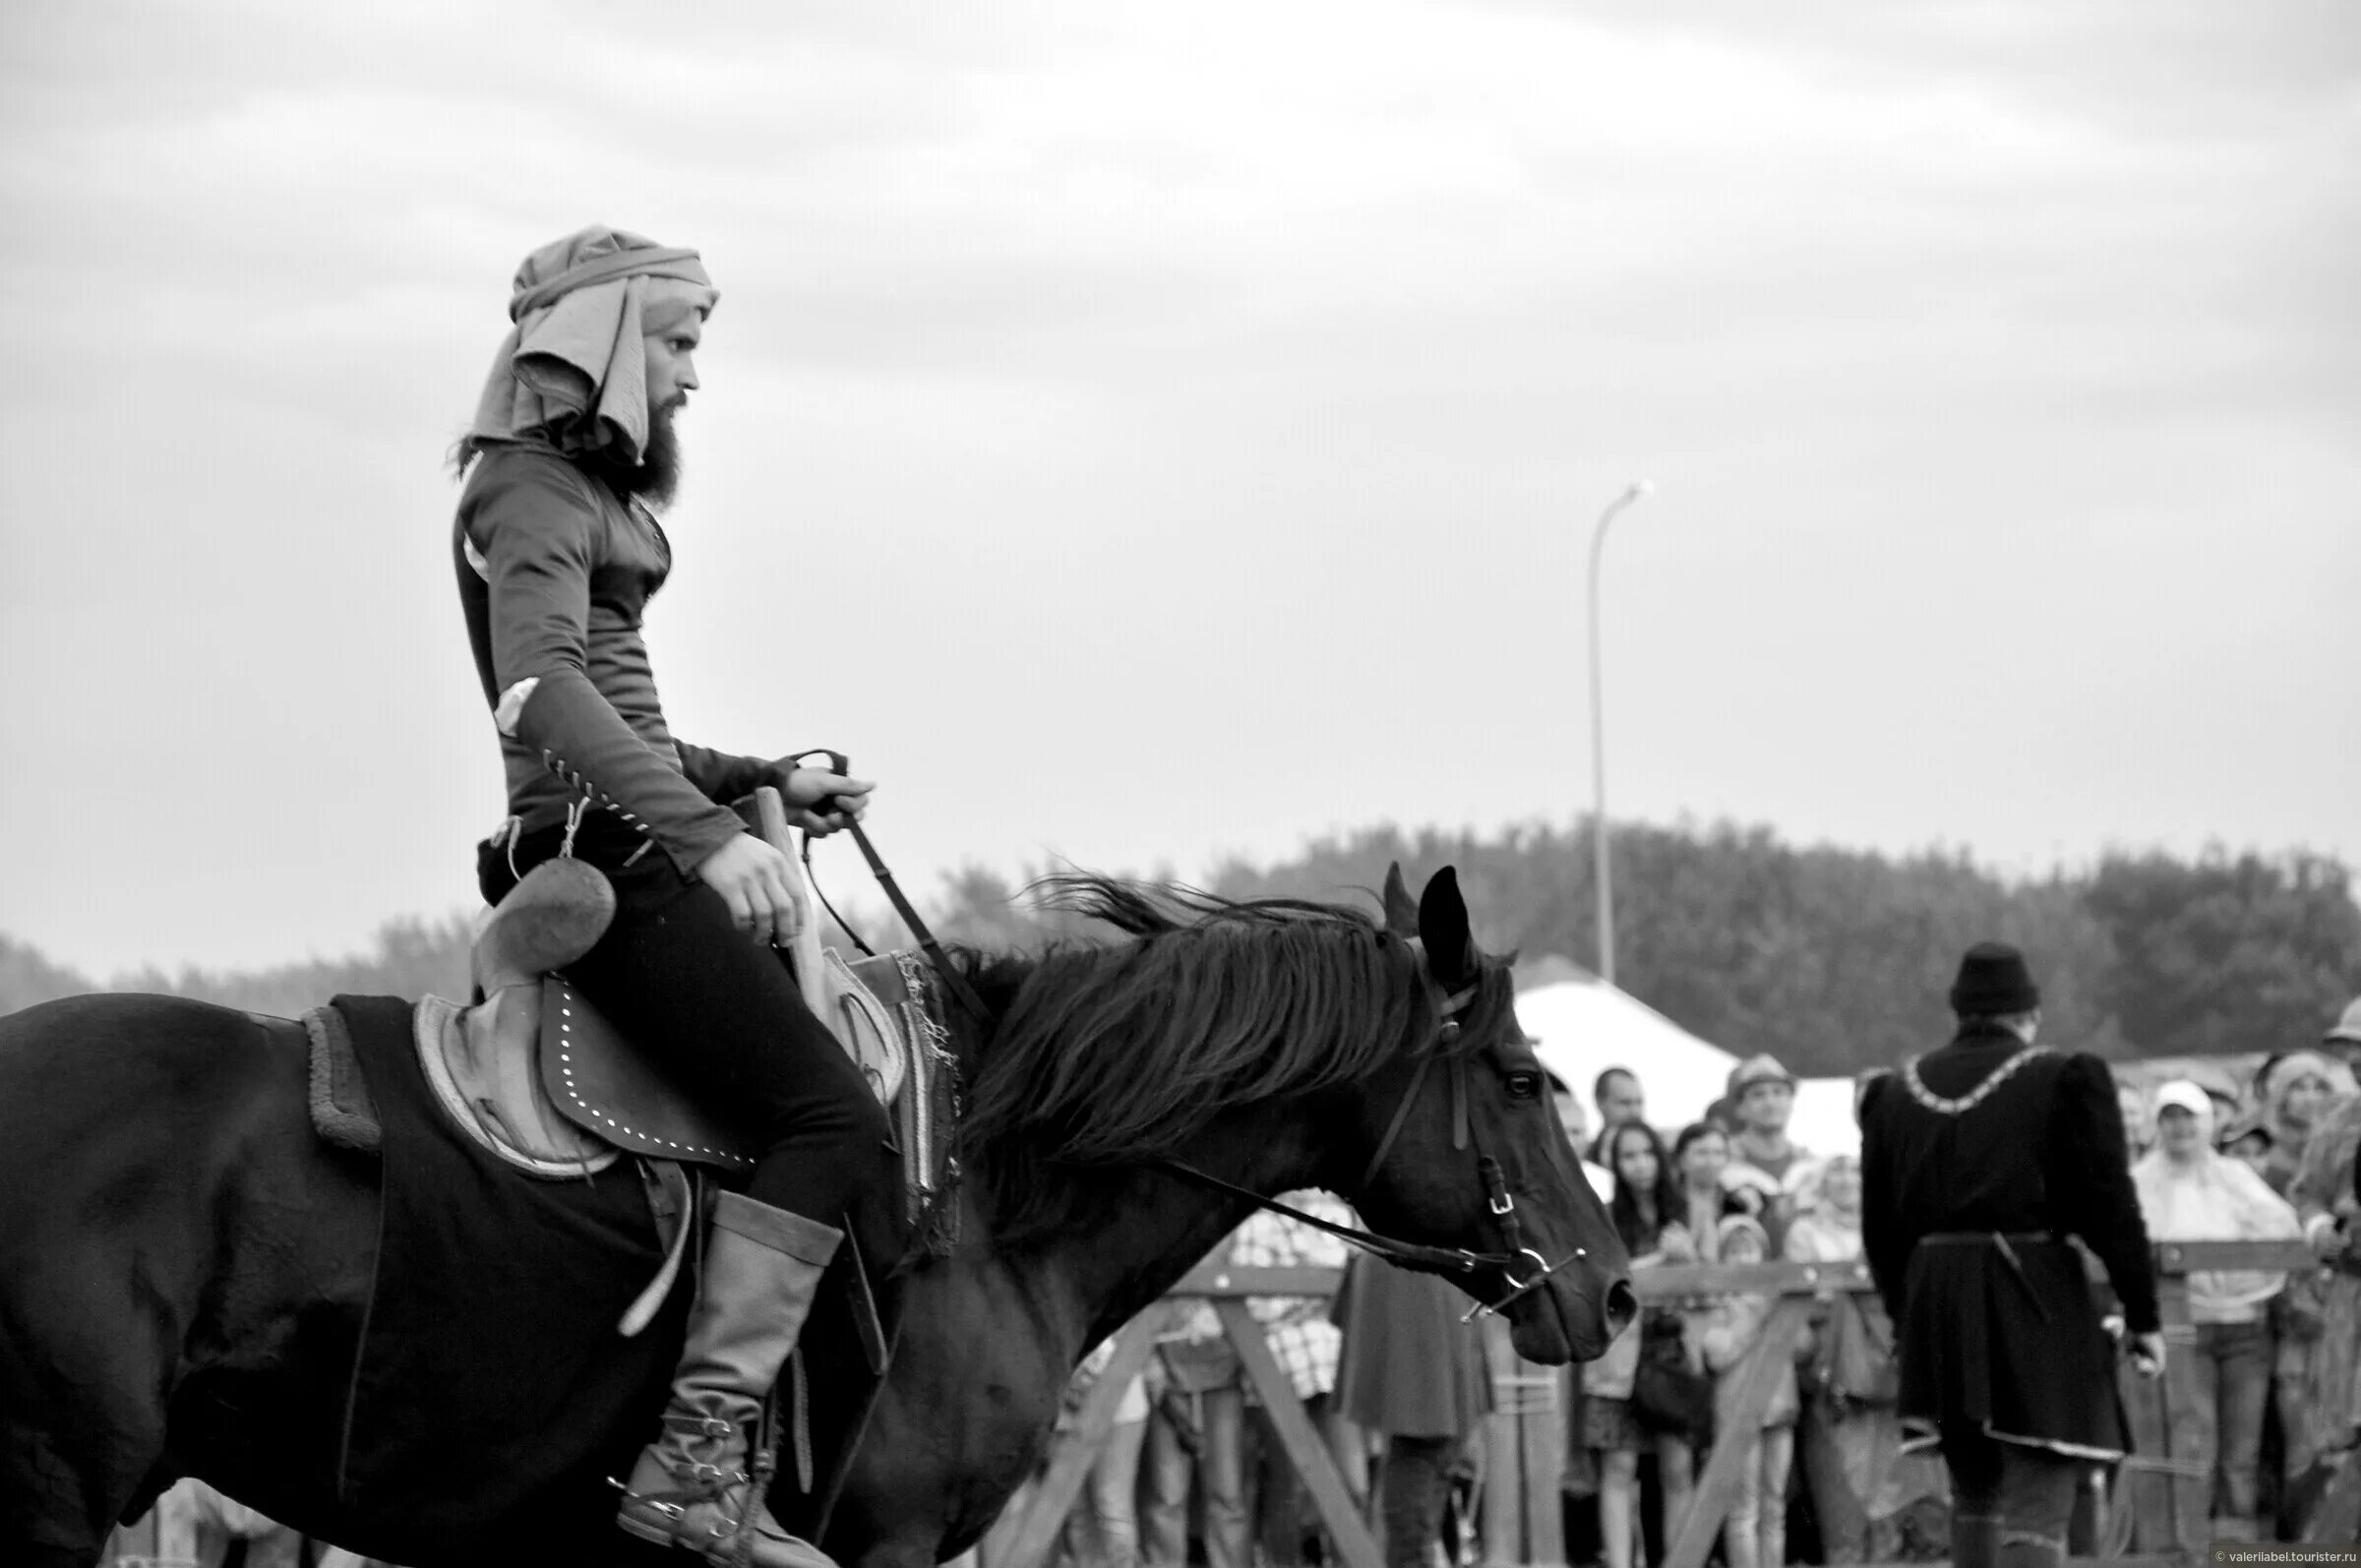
(558, 549)
(1978, 1162)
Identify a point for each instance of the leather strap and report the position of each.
(955, 982)
(1393, 1128)
(951, 977)
(1410, 1254)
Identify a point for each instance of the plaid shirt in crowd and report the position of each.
(1297, 1328)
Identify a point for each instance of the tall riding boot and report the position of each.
(692, 1485)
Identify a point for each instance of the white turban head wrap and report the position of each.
(575, 366)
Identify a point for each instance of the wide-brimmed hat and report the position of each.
(1993, 978)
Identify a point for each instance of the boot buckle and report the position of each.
(656, 1505)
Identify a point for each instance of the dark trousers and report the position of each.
(1412, 1491)
(724, 1014)
(2010, 1503)
(2207, 1410)
(1219, 1466)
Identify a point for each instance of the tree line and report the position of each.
(1832, 959)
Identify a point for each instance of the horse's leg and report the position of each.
(966, 1410)
(124, 1126)
(75, 1455)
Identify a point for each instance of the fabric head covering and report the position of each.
(1993, 980)
(575, 364)
(1763, 1068)
(2297, 1064)
(1737, 1224)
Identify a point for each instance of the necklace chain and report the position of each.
(1952, 1105)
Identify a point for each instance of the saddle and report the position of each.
(539, 1077)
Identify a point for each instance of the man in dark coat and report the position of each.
(1978, 1160)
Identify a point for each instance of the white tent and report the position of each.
(1823, 1121)
(1582, 1027)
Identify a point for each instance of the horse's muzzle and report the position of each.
(1574, 1319)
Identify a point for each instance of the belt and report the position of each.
(1999, 1239)
(2005, 1241)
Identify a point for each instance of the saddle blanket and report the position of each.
(493, 1319)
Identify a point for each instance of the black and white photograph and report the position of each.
(1085, 784)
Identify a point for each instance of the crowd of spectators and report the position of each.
(2261, 1396)
(2260, 1404)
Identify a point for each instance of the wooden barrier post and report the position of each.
(1525, 1457)
(1028, 1539)
(1304, 1450)
(1738, 1431)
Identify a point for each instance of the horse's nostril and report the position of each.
(1622, 1305)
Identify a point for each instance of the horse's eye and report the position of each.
(1524, 1085)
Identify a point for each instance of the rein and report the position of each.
(955, 982)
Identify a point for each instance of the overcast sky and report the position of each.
(1146, 433)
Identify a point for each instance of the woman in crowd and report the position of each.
(2215, 1389)
(1754, 1534)
(2327, 1194)
(1646, 1205)
(1850, 1439)
(2297, 1092)
(1700, 1156)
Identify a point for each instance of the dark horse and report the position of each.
(178, 1250)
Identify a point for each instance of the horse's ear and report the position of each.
(1443, 926)
(1401, 915)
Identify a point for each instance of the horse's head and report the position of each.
(1464, 1150)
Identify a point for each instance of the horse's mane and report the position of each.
(1121, 1052)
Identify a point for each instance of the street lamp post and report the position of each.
(1603, 878)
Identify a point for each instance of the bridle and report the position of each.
(1497, 1198)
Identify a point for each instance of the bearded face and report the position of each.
(656, 476)
(659, 472)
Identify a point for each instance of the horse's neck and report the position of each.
(1158, 1227)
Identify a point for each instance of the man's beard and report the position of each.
(657, 474)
